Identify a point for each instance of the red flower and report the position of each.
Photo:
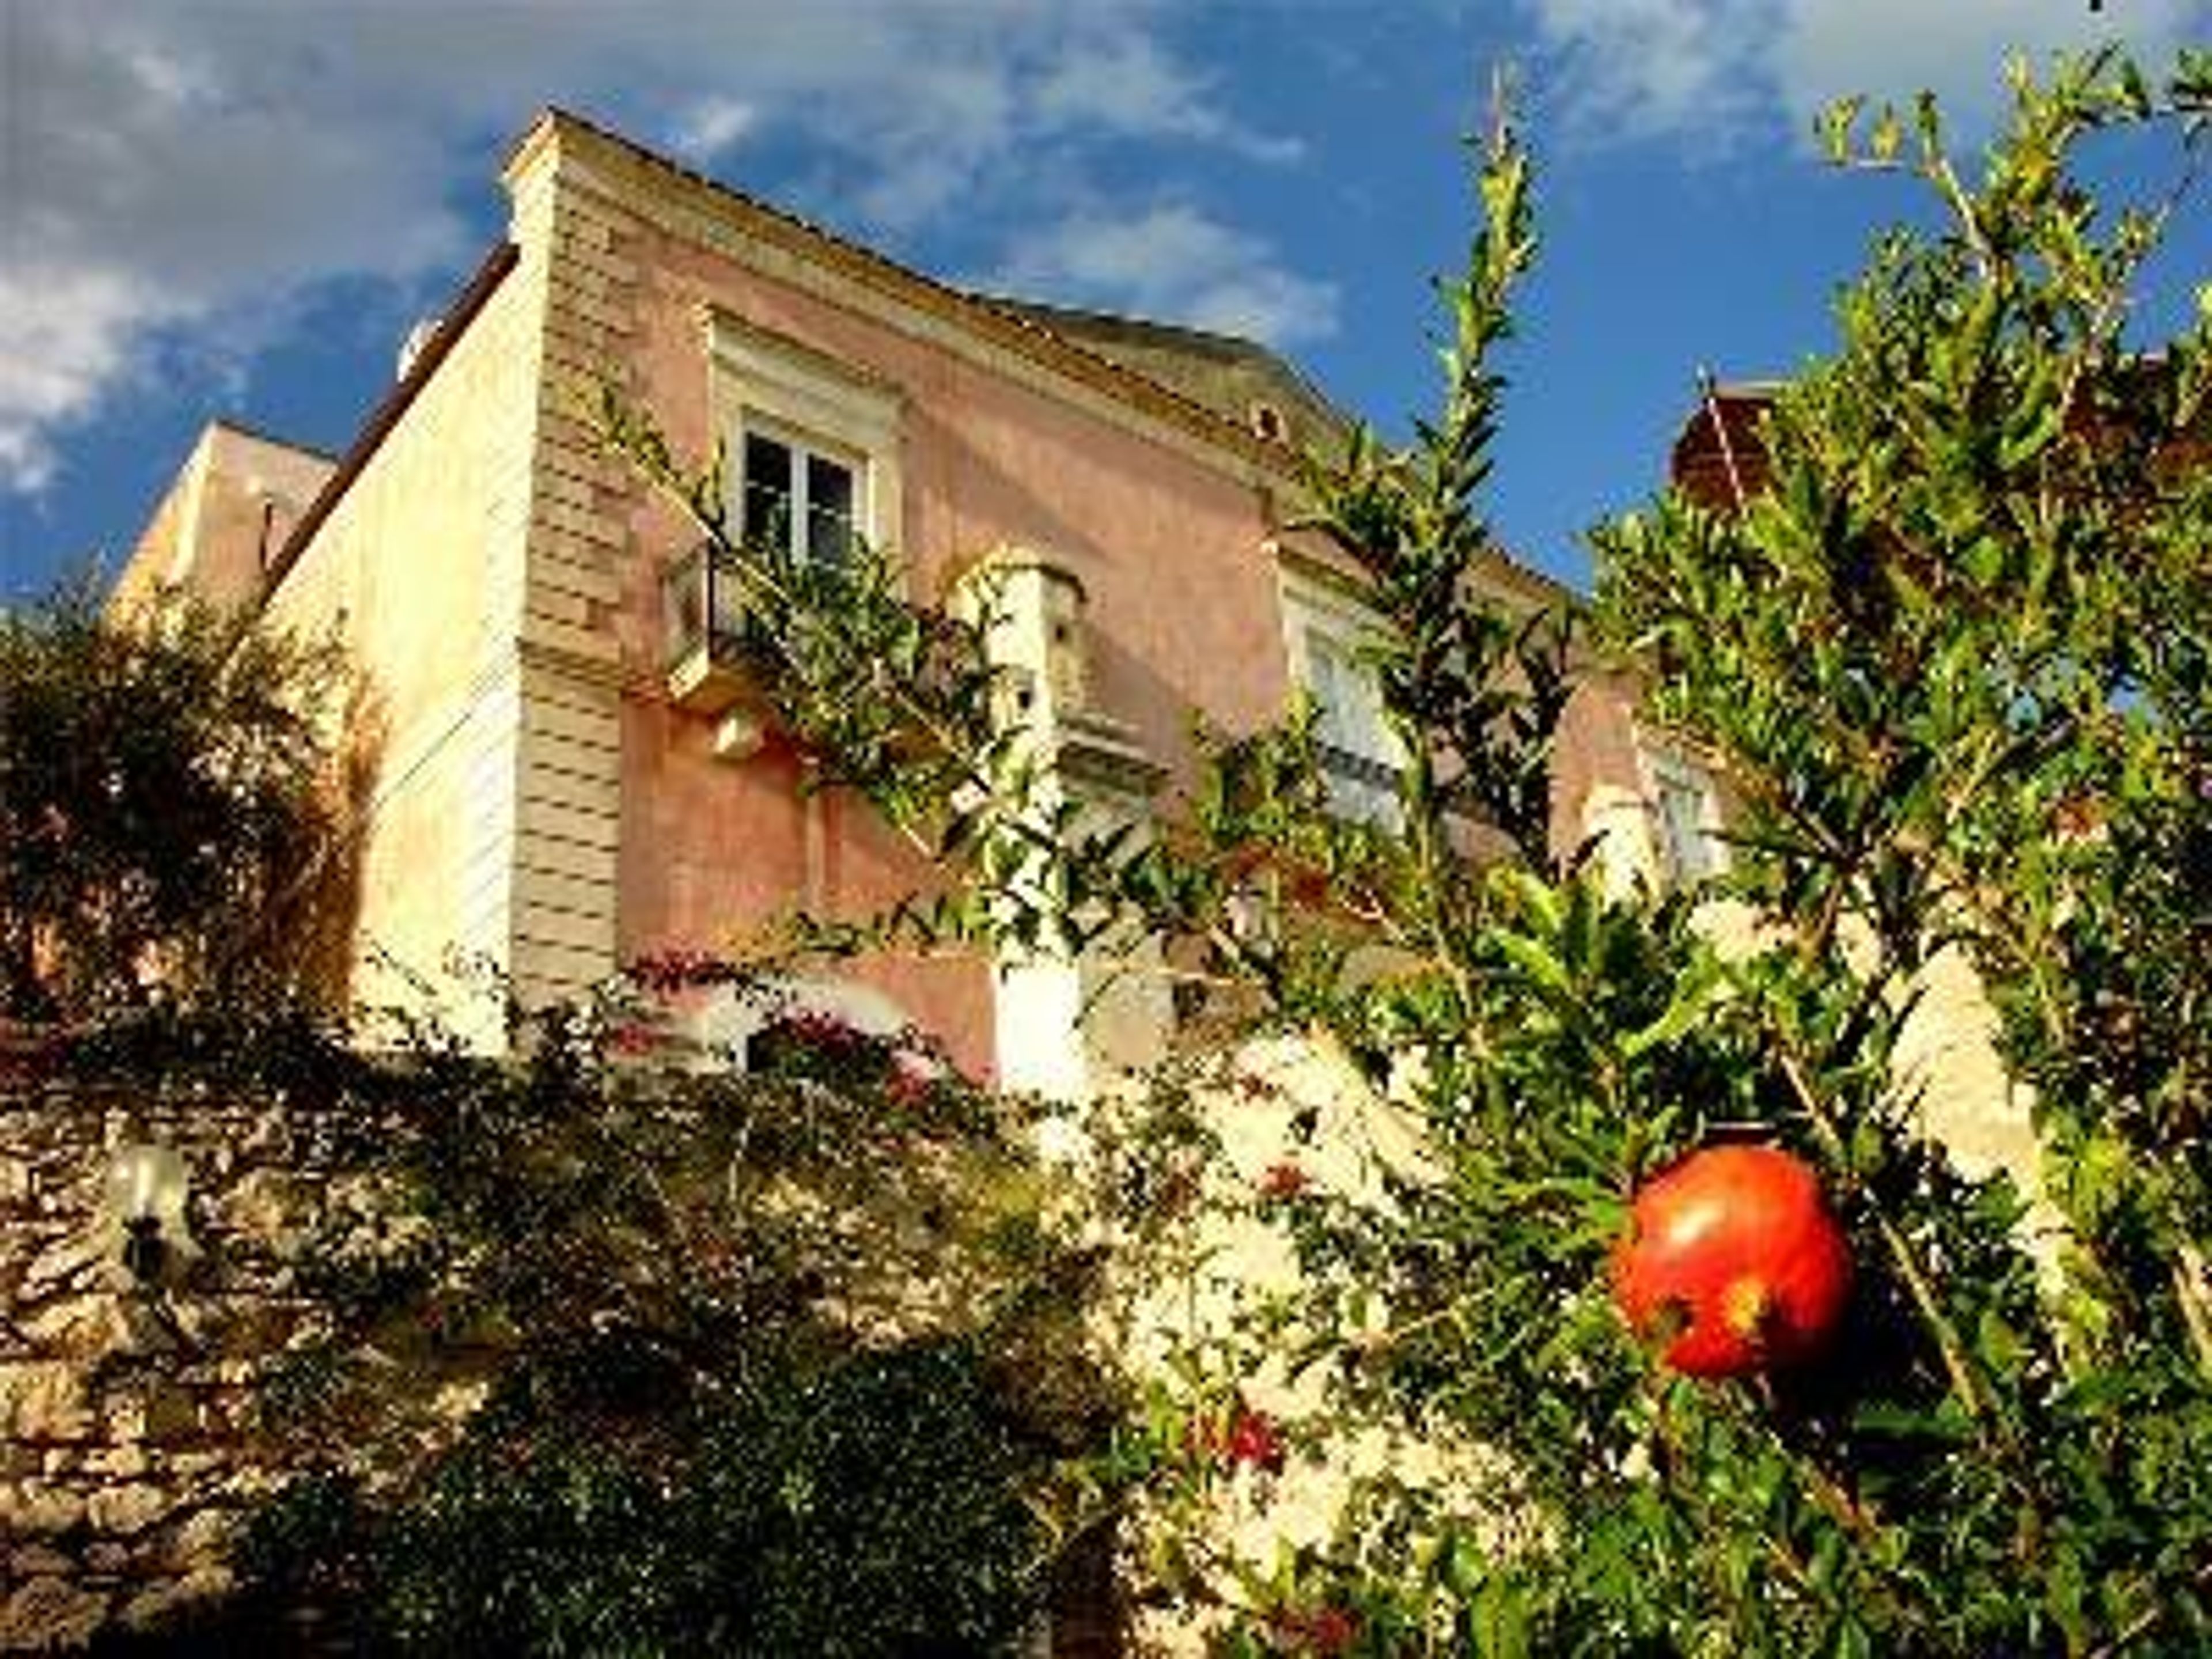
(1329, 1629)
(816, 1027)
(910, 1081)
(667, 973)
(1253, 1438)
(1284, 1180)
(1239, 1436)
(1333, 1630)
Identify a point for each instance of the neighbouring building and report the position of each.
(1947, 1052)
(563, 779)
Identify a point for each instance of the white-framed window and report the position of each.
(1686, 817)
(1328, 634)
(812, 442)
(799, 494)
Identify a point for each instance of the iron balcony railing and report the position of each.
(1360, 787)
(703, 595)
(703, 599)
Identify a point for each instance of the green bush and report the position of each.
(630, 1360)
(169, 797)
(867, 1505)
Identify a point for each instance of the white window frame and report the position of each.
(1317, 614)
(761, 382)
(801, 448)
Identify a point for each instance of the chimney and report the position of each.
(412, 346)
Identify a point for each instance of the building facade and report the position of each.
(562, 781)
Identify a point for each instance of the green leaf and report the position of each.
(1536, 964)
(1832, 128)
(1692, 1002)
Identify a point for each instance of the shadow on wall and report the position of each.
(316, 923)
(303, 937)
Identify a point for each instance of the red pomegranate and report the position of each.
(1734, 1260)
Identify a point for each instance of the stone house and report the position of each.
(565, 775)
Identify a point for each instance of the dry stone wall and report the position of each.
(127, 1444)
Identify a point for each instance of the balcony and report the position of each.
(702, 603)
(1361, 789)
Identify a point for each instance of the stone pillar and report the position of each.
(1068, 1026)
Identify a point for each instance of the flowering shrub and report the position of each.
(906, 1072)
(736, 1371)
(807, 1042)
(668, 973)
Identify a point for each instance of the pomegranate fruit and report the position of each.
(1734, 1261)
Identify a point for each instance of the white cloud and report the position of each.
(1173, 263)
(705, 132)
(176, 170)
(1895, 48)
(1636, 69)
(1717, 72)
(1131, 81)
(62, 337)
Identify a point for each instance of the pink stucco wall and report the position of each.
(1183, 612)
(1183, 604)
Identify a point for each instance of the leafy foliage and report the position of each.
(1952, 646)
(167, 792)
(869, 1505)
(631, 1360)
(1948, 647)
(1475, 693)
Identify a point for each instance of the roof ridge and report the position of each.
(245, 428)
(1004, 314)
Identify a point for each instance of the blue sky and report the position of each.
(236, 207)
